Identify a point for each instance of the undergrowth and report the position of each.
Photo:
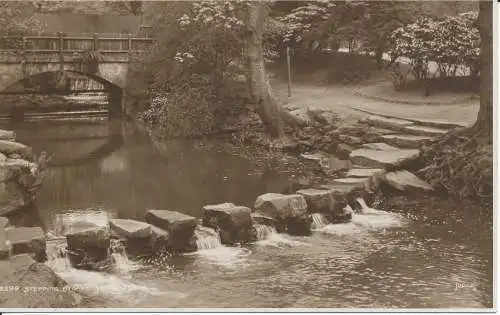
(462, 164)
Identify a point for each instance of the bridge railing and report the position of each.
(62, 43)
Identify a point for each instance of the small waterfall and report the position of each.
(264, 231)
(319, 220)
(207, 238)
(367, 210)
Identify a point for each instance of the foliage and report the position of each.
(17, 17)
(450, 42)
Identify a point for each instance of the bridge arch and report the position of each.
(114, 91)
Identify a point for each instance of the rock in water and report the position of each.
(281, 207)
(28, 240)
(233, 222)
(7, 135)
(130, 228)
(288, 210)
(88, 245)
(138, 235)
(179, 226)
(322, 200)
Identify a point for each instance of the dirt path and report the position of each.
(343, 101)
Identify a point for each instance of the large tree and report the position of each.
(484, 125)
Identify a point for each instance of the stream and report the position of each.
(379, 260)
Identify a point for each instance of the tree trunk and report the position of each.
(484, 123)
(270, 112)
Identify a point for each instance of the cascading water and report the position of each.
(367, 210)
(207, 238)
(319, 220)
(264, 231)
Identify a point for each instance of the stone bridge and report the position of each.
(103, 59)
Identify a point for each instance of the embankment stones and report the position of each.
(363, 172)
(11, 147)
(27, 240)
(407, 141)
(425, 131)
(233, 222)
(379, 146)
(390, 123)
(7, 135)
(382, 159)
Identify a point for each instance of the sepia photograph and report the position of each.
(244, 154)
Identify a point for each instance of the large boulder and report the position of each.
(28, 240)
(33, 279)
(179, 226)
(406, 181)
(382, 159)
(289, 210)
(234, 223)
(11, 147)
(88, 245)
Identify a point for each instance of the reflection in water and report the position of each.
(379, 259)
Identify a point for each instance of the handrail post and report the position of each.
(61, 48)
(96, 42)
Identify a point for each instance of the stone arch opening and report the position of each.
(64, 83)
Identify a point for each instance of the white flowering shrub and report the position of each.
(308, 21)
(451, 42)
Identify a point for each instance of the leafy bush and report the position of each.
(451, 42)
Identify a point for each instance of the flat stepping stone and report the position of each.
(176, 223)
(425, 131)
(381, 159)
(406, 181)
(281, 207)
(379, 146)
(351, 180)
(130, 228)
(387, 123)
(363, 172)
(82, 234)
(407, 141)
(318, 200)
(27, 240)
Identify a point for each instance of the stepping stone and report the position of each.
(363, 172)
(407, 141)
(258, 218)
(130, 228)
(406, 181)
(27, 240)
(3, 222)
(180, 226)
(233, 222)
(318, 200)
(281, 207)
(379, 146)
(351, 180)
(387, 123)
(425, 131)
(381, 159)
(88, 245)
